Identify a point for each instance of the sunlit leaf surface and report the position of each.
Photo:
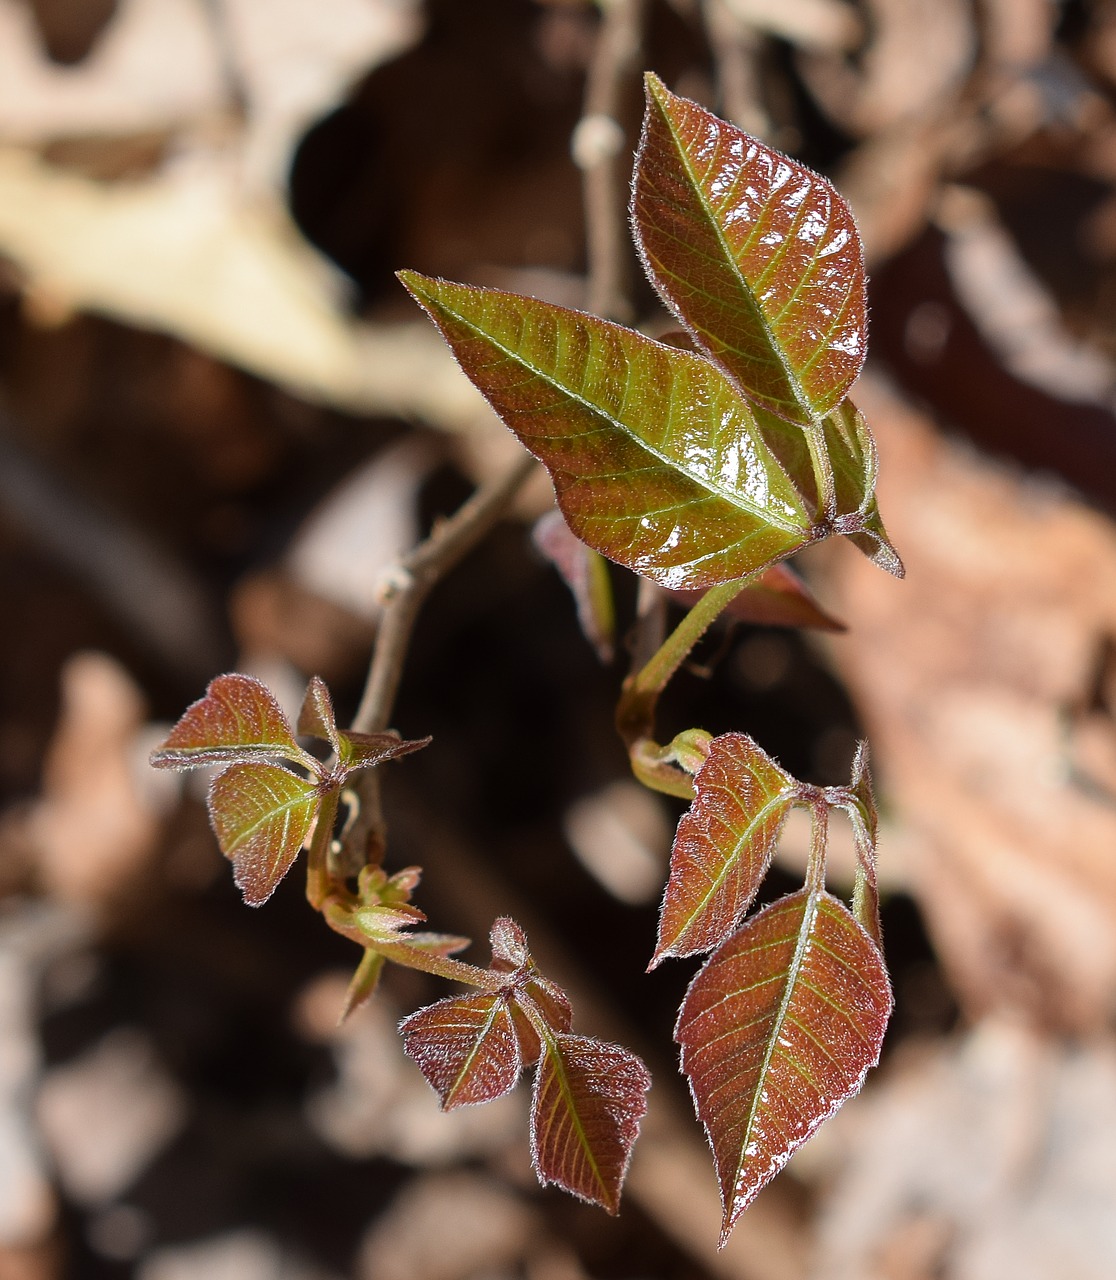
(656, 460)
(262, 815)
(757, 255)
(238, 719)
(777, 1030)
(588, 1101)
(466, 1047)
(724, 845)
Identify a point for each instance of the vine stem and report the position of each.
(407, 584)
(635, 715)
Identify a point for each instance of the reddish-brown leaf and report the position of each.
(777, 1030)
(852, 455)
(237, 720)
(548, 1001)
(316, 718)
(262, 814)
(362, 750)
(588, 1100)
(757, 255)
(724, 845)
(656, 459)
(466, 1047)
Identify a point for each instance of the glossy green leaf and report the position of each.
(536, 997)
(724, 845)
(777, 1030)
(262, 814)
(466, 1047)
(758, 256)
(656, 460)
(238, 719)
(588, 1100)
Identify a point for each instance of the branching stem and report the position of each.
(409, 582)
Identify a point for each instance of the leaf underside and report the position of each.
(466, 1047)
(262, 815)
(588, 1100)
(237, 719)
(657, 461)
(756, 254)
(776, 1031)
(724, 845)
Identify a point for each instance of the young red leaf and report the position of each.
(237, 720)
(588, 1100)
(547, 1000)
(776, 1031)
(724, 845)
(585, 573)
(865, 824)
(757, 255)
(362, 750)
(656, 460)
(466, 1047)
(262, 814)
(852, 455)
(316, 718)
(509, 945)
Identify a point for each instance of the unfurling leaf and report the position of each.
(588, 1101)
(262, 814)
(724, 845)
(777, 1030)
(363, 984)
(466, 1047)
(852, 456)
(657, 461)
(238, 720)
(316, 718)
(362, 750)
(757, 255)
(865, 824)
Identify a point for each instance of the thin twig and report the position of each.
(735, 49)
(408, 584)
(597, 143)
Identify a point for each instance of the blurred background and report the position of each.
(221, 420)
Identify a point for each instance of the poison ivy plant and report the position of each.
(701, 462)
